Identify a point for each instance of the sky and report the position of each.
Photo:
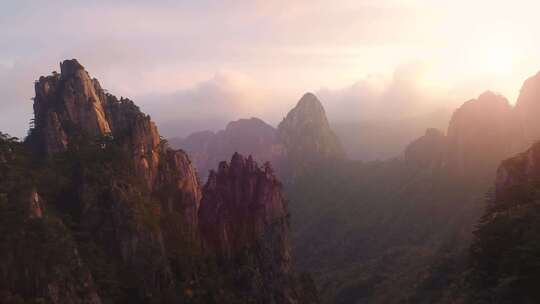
(197, 64)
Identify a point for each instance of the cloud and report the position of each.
(405, 94)
(209, 104)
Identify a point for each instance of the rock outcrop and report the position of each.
(241, 202)
(71, 110)
(244, 217)
(67, 103)
(307, 136)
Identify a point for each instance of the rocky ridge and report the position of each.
(134, 208)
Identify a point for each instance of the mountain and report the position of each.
(307, 136)
(399, 231)
(480, 135)
(503, 257)
(96, 208)
(428, 150)
(302, 139)
(246, 136)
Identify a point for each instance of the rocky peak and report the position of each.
(67, 104)
(243, 217)
(428, 150)
(72, 104)
(308, 111)
(479, 134)
(240, 203)
(71, 68)
(307, 136)
(138, 220)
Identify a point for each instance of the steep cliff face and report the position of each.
(67, 103)
(122, 214)
(71, 105)
(244, 219)
(241, 201)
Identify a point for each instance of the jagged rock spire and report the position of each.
(66, 104)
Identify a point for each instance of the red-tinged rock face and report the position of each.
(35, 208)
(243, 221)
(65, 102)
(137, 222)
(240, 202)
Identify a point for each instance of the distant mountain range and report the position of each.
(400, 231)
(390, 231)
(304, 138)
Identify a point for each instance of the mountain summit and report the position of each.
(307, 136)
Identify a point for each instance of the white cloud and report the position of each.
(209, 104)
(375, 97)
